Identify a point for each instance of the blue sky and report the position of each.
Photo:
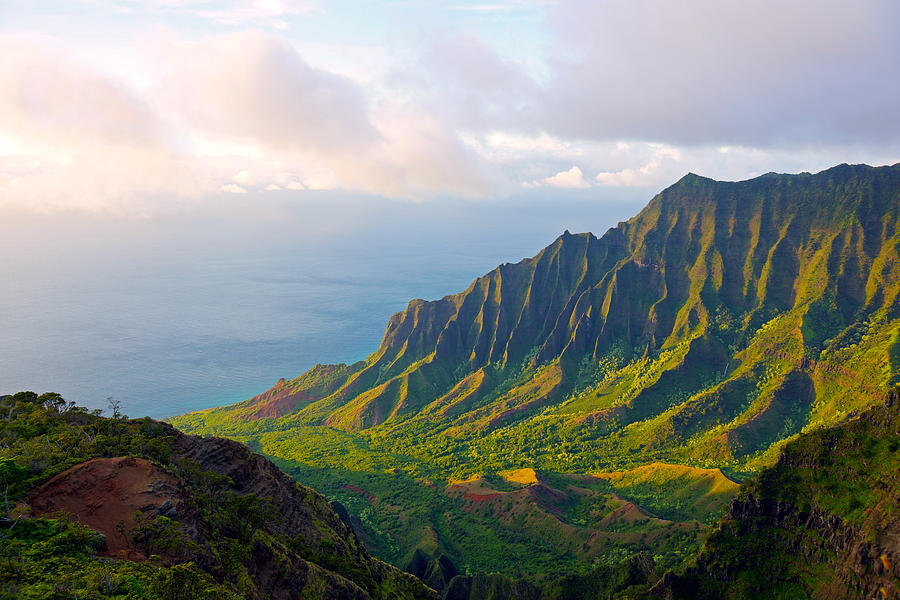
(136, 107)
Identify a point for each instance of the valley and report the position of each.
(603, 398)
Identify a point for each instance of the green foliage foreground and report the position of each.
(822, 522)
(240, 528)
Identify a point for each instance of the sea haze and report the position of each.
(178, 313)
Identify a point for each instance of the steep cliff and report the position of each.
(722, 321)
(772, 283)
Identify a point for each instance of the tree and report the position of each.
(52, 401)
(115, 406)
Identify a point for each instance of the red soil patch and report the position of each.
(369, 497)
(480, 497)
(276, 402)
(103, 492)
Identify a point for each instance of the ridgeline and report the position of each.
(680, 350)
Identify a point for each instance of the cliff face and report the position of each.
(769, 283)
(824, 522)
(721, 321)
(705, 258)
(164, 502)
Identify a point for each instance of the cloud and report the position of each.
(744, 72)
(624, 78)
(462, 78)
(246, 178)
(228, 112)
(631, 94)
(77, 138)
(751, 72)
(45, 92)
(251, 88)
(499, 7)
(254, 91)
(641, 177)
(660, 169)
(237, 13)
(230, 13)
(573, 178)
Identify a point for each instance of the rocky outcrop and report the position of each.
(108, 494)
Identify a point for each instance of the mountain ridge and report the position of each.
(718, 323)
(498, 319)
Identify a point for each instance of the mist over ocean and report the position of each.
(178, 313)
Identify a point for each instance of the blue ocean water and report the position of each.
(178, 313)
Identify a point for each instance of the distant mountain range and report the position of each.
(600, 399)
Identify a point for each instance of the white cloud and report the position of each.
(230, 111)
(501, 143)
(254, 90)
(246, 178)
(250, 88)
(750, 72)
(662, 168)
(265, 11)
(229, 12)
(77, 138)
(45, 93)
(637, 93)
(641, 177)
(573, 178)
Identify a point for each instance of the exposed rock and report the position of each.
(105, 494)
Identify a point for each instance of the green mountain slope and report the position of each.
(721, 321)
(93, 508)
(824, 522)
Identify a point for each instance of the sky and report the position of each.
(142, 107)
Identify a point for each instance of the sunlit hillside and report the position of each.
(719, 323)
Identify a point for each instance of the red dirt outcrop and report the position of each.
(105, 493)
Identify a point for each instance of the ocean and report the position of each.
(174, 313)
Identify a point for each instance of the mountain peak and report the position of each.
(721, 321)
(701, 269)
(567, 236)
(693, 179)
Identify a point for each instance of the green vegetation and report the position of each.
(820, 523)
(217, 521)
(722, 322)
(57, 558)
